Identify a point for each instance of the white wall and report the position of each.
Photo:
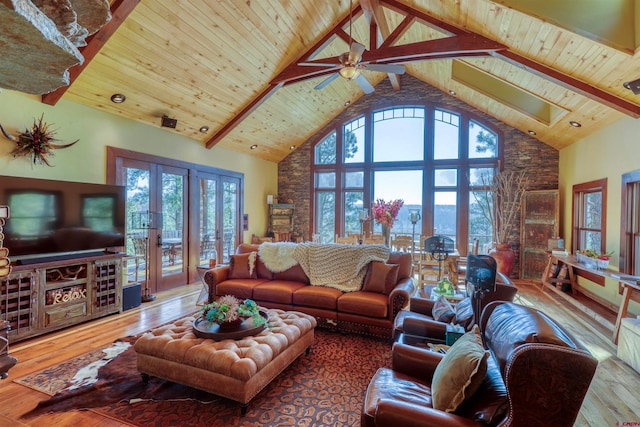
(608, 153)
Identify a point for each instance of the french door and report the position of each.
(178, 215)
(156, 222)
(218, 219)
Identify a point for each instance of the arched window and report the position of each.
(435, 159)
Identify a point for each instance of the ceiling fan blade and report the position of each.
(364, 84)
(355, 52)
(386, 68)
(326, 81)
(319, 64)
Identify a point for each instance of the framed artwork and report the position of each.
(539, 223)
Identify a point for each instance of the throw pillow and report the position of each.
(464, 314)
(442, 310)
(381, 277)
(242, 266)
(460, 372)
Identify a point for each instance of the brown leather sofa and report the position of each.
(370, 313)
(537, 375)
(417, 325)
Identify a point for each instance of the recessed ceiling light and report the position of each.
(254, 146)
(118, 98)
(531, 132)
(575, 124)
(204, 129)
(452, 92)
(347, 103)
(293, 147)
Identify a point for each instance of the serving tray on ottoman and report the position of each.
(235, 369)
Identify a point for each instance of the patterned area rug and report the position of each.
(324, 388)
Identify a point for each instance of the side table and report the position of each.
(6, 362)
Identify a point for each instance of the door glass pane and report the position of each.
(445, 213)
(137, 183)
(326, 216)
(353, 205)
(230, 220)
(353, 141)
(208, 231)
(446, 141)
(405, 185)
(172, 223)
(398, 135)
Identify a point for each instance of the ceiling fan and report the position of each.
(351, 64)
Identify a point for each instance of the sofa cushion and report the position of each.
(490, 403)
(240, 288)
(370, 304)
(293, 274)
(317, 296)
(381, 277)
(443, 310)
(280, 291)
(460, 372)
(242, 266)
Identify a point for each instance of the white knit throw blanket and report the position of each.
(278, 256)
(341, 267)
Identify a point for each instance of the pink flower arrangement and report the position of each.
(386, 212)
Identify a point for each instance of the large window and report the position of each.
(429, 157)
(630, 224)
(589, 216)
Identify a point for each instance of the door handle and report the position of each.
(159, 240)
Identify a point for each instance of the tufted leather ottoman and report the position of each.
(235, 369)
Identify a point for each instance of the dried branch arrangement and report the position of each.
(501, 202)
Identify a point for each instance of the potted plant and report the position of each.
(229, 312)
(500, 205)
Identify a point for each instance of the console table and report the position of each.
(630, 284)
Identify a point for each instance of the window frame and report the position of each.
(579, 192)
(427, 165)
(629, 223)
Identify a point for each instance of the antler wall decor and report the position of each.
(37, 143)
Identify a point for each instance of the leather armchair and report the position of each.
(417, 325)
(538, 375)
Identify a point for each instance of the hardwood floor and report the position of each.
(613, 399)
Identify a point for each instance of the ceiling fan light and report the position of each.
(349, 72)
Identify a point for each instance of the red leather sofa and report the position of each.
(366, 312)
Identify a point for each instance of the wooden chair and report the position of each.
(374, 239)
(402, 243)
(346, 240)
(429, 268)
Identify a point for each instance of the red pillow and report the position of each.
(381, 277)
(242, 266)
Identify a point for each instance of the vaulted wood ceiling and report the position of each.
(233, 65)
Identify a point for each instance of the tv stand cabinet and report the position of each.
(43, 297)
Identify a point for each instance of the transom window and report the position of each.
(430, 157)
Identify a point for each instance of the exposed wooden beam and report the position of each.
(120, 9)
(379, 31)
(570, 83)
(255, 103)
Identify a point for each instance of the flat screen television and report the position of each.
(52, 219)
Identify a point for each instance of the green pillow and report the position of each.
(460, 372)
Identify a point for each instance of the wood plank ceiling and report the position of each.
(218, 64)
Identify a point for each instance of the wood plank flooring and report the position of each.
(613, 399)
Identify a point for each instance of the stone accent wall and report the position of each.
(521, 151)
